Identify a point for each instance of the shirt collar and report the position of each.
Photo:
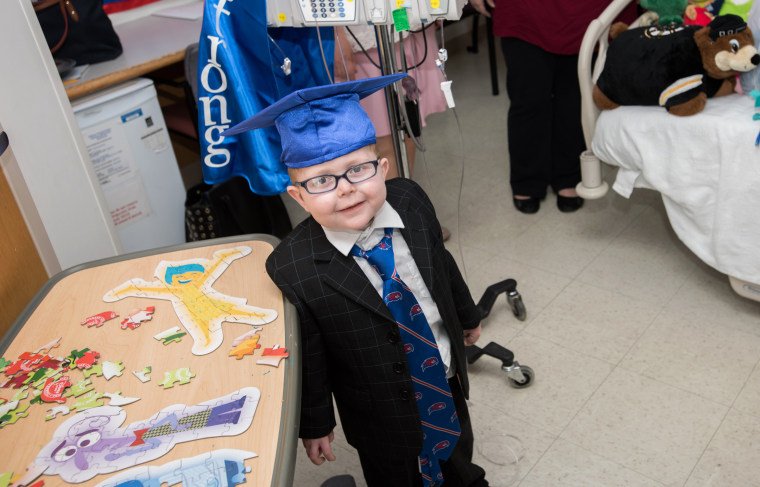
(344, 240)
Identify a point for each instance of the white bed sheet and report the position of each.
(707, 169)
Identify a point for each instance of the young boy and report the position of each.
(384, 311)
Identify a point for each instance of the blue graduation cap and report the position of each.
(320, 123)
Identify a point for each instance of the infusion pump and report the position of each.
(310, 13)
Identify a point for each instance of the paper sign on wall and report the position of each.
(117, 172)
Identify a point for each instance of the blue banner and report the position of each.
(239, 74)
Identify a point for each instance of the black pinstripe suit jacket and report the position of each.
(351, 347)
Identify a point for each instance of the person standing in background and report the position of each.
(540, 42)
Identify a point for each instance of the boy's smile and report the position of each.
(348, 206)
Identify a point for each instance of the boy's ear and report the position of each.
(384, 165)
(295, 193)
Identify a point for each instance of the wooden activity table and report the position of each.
(233, 420)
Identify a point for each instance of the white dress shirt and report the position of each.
(366, 239)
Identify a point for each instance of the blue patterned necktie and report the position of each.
(440, 425)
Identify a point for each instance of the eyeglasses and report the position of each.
(328, 182)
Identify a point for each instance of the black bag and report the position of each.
(78, 30)
(231, 208)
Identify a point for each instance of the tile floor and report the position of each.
(647, 365)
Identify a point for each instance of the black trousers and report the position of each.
(544, 121)
(458, 470)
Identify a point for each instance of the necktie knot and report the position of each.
(380, 256)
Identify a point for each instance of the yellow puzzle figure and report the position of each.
(201, 309)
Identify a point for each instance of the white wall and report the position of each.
(54, 182)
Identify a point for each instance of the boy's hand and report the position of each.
(318, 449)
(471, 336)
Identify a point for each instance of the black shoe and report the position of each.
(569, 204)
(527, 206)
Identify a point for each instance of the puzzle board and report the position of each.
(266, 447)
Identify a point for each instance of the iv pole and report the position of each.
(388, 66)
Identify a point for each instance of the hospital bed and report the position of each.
(706, 167)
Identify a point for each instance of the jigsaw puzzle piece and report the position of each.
(49, 346)
(75, 354)
(96, 370)
(173, 334)
(235, 472)
(98, 319)
(17, 381)
(87, 360)
(273, 356)
(138, 317)
(169, 331)
(246, 348)
(62, 410)
(177, 337)
(111, 369)
(36, 397)
(245, 336)
(54, 389)
(88, 401)
(144, 374)
(70, 361)
(52, 363)
(181, 375)
(14, 415)
(22, 394)
(116, 399)
(8, 406)
(37, 377)
(82, 387)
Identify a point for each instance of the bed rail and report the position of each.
(596, 39)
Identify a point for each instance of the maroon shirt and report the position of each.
(556, 26)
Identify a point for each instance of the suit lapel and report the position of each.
(414, 234)
(344, 274)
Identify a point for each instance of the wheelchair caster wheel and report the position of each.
(518, 307)
(527, 377)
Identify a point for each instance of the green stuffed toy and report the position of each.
(736, 7)
(669, 11)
